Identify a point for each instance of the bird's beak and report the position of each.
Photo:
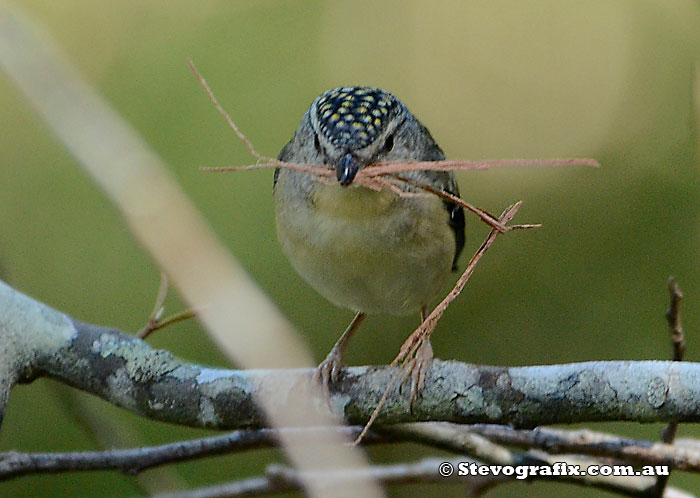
(346, 168)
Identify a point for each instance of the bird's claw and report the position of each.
(416, 369)
(328, 370)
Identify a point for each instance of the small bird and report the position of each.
(366, 250)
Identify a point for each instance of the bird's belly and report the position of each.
(368, 251)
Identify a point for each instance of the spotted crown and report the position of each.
(355, 116)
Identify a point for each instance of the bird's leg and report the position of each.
(329, 368)
(417, 367)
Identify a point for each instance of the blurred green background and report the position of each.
(610, 79)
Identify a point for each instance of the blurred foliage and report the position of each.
(616, 80)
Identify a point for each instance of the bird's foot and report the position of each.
(416, 369)
(329, 369)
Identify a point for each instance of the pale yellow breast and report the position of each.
(352, 202)
(365, 250)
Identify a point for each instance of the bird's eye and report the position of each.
(317, 144)
(389, 144)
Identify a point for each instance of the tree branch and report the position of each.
(129, 373)
(673, 316)
(136, 460)
(279, 478)
(451, 437)
(586, 442)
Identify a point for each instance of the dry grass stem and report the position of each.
(426, 328)
(371, 176)
(394, 167)
(226, 115)
(313, 169)
(388, 168)
(375, 176)
(484, 215)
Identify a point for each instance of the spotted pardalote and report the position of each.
(368, 251)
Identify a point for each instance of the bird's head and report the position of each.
(354, 126)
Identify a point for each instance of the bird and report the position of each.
(372, 252)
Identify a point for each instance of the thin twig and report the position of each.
(484, 215)
(371, 175)
(426, 328)
(226, 115)
(136, 460)
(684, 455)
(158, 308)
(392, 167)
(114, 433)
(386, 168)
(461, 439)
(280, 478)
(673, 316)
(487, 217)
(155, 320)
(159, 324)
(318, 170)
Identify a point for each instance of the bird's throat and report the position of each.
(353, 201)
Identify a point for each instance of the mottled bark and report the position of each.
(39, 341)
